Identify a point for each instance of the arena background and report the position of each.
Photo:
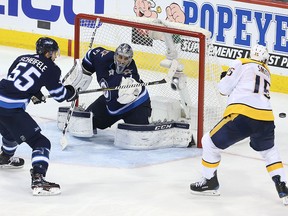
(235, 26)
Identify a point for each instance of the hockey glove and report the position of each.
(72, 92)
(38, 98)
(128, 95)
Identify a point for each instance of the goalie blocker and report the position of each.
(153, 136)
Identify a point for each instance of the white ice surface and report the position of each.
(96, 178)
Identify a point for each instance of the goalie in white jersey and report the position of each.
(248, 114)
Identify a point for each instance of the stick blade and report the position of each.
(63, 142)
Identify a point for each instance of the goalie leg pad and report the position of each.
(80, 123)
(153, 136)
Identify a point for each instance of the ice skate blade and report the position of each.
(7, 166)
(38, 191)
(206, 193)
(285, 200)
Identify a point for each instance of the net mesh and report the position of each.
(149, 50)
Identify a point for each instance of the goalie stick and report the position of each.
(63, 140)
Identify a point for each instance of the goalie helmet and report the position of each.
(123, 57)
(259, 53)
(45, 45)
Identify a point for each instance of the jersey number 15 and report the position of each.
(266, 86)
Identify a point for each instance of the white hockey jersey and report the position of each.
(247, 84)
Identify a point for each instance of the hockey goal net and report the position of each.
(201, 104)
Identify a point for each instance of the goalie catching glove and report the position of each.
(127, 95)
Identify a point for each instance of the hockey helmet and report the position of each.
(45, 45)
(123, 57)
(259, 53)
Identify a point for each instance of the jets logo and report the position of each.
(111, 72)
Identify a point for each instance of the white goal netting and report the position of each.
(193, 50)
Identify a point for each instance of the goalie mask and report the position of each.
(47, 45)
(259, 53)
(123, 57)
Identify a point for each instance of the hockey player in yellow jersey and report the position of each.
(248, 114)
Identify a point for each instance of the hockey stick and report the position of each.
(69, 72)
(119, 87)
(63, 140)
(124, 86)
(172, 69)
(97, 25)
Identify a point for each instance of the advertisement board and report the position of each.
(235, 26)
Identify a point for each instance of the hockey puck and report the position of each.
(282, 115)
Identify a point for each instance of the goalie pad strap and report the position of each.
(153, 127)
(76, 113)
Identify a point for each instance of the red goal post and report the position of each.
(194, 51)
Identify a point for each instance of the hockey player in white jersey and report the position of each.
(248, 114)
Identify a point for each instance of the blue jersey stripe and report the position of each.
(13, 103)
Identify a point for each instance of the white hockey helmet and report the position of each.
(259, 53)
(123, 57)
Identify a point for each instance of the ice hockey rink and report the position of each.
(97, 178)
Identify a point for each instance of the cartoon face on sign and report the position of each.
(147, 8)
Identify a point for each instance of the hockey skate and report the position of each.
(208, 187)
(9, 162)
(41, 187)
(281, 189)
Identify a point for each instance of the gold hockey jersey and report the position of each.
(247, 85)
